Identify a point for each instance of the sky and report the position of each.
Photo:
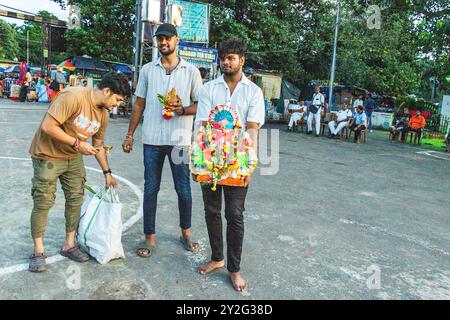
(33, 6)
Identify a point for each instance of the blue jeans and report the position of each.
(154, 157)
(369, 118)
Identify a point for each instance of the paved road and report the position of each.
(335, 217)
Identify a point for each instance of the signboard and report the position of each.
(195, 21)
(45, 53)
(203, 55)
(151, 11)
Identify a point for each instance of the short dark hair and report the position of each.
(203, 72)
(116, 82)
(232, 46)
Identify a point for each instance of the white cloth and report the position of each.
(247, 100)
(318, 99)
(343, 115)
(297, 107)
(357, 103)
(316, 116)
(153, 80)
(336, 129)
(296, 116)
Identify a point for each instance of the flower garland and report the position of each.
(222, 152)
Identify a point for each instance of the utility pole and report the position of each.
(137, 41)
(45, 48)
(333, 65)
(28, 47)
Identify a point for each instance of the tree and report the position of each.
(35, 39)
(106, 29)
(295, 37)
(9, 47)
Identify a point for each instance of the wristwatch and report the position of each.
(105, 172)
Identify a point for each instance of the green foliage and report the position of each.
(106, 29)
(9, 47)
(295, 37)
(35, 39)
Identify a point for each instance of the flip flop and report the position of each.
(145, 246)
(75, 254)
(187, 243)
(37, 262)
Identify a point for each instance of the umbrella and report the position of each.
(87, 63)
(122, 68)
(67, 65)
(2, 69)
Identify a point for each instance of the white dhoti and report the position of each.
(296, 116)
(316, 116)
(336, 129)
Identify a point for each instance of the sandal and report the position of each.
(188, 244)
(37, 262)
(75, 254)
(145, 246)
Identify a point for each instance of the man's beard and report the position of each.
(231, 72)
(168, 52)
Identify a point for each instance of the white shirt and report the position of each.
(298, 108)
(343, 115)
(186, 79)
(318, 99)
(247, 100)
(357, 103)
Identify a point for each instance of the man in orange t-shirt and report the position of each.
(76, 115)
(417, 124)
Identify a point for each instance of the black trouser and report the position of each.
(358, 131)
(234, 214)
(418, 130)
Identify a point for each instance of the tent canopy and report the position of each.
(87, 63)
(83, 63)
(13, 69)
(122, 68)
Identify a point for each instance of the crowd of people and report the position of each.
(36, 87)
(357, 119)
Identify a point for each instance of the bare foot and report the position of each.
(239, 283)
(211, 266)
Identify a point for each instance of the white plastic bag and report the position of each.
(100, 228)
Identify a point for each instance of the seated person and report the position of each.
(296, 113)
(358, 123)
(400, 123)
(417, 124)
(342, 118)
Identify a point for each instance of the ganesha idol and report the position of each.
(222, 152)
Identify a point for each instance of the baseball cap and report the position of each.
(166, 29)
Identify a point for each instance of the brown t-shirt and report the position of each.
(74, 109)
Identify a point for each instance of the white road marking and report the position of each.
(428, 153)
(127, 225)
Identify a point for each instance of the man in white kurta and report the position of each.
(342, 118)
(297, 112)
(318, 101)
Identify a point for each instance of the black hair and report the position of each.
(232, 46)
(360, 108)
(203, 72)
(116, 82)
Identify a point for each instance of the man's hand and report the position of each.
(247, 180)
(110, 181)
(127, 145)
(86, 149)
(178, 108)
